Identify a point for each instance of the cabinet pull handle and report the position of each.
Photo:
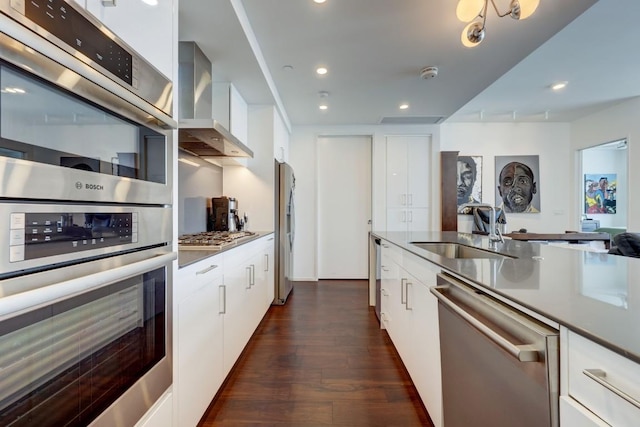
(266, 262)
(269, 239)
(404, 216)
(385, 246)
(410, 198)
(406, 300)
(410, 214)
(403, 298)
(253, 274)
(206, 270)
(600, 376)
(222, 299)
(403, 200)
(248, 277)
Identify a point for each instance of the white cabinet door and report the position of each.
(238, 309)
(269, 257)
(418, 172)
(572, 414)
(397, 173)
(424, 360)
(160, 415)
(147, 29)
(198, 351)
(418, 219)
(410, 315)
(281, 138)
(408, 162)
(246, 303)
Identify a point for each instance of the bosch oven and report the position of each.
(86, 211)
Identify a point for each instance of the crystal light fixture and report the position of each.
(474, 12)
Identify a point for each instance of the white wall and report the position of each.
(548, 140)
(617, 122)
(303, 160)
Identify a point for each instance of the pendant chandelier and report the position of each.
(475, 13)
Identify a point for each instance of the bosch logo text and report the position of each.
(96, 187)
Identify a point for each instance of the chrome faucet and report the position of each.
(494, 233)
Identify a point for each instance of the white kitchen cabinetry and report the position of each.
(409, 312)
(598, 382)
(198, 338)
(573, 414)
(160, 414)
(280, 138)
(408, 163)
(147, 29)
(245, 285)
(269, 272)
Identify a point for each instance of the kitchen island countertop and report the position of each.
(594, 294)
(189, 256)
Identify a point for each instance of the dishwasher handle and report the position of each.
(522, 352)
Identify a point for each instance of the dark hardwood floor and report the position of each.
(321, 359)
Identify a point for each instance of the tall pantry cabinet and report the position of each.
(408, 164)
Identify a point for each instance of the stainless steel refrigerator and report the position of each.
(285, 183)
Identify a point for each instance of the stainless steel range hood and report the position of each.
(199, 133)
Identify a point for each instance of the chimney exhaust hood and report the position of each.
(198, 133)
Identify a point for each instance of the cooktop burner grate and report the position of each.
(212, 240)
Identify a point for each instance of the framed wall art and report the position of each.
(469, 184)
(518, 183)
(600, 193)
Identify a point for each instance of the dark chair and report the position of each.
(626, 244)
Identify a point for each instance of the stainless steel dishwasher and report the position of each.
(500, 367)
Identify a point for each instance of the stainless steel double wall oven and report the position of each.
(86, 212)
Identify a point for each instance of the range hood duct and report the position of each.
(198, 133)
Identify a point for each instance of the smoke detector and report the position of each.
(428, 72)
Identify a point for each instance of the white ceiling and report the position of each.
(375, 49)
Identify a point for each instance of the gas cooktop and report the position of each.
(211, 240)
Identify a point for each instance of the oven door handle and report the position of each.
(23, 302)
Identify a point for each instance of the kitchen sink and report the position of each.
(458, 251)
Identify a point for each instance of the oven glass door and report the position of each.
(66, 362)
(41, 123)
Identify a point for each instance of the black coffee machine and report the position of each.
(223, 215)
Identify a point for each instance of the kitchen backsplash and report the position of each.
(196, 186)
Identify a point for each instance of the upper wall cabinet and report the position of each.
(147, 29)
(407, 181)
(280, 138)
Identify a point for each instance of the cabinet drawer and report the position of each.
(190, 278)
(573, 414)
(391, 251)
(603, 381)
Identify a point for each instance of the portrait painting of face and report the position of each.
(518, 181)
(469, 185)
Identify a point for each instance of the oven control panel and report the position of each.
(60, 19)
(43, 234)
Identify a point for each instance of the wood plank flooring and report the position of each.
(319, 360)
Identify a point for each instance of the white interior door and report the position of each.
(344, 206)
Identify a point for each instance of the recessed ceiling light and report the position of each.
(151, 2)
(319, 1)
(287, 67)
(559, 85)
(404, 106)
(321, 71)
(323, 107)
